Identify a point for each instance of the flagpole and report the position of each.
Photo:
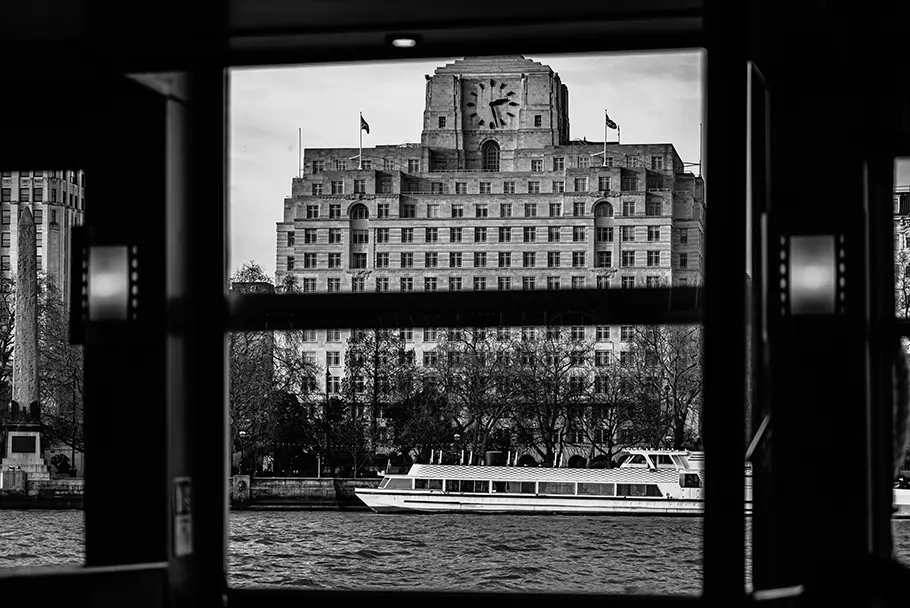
(299, 151)
(605, 138)
(618, 135)
(360, 157)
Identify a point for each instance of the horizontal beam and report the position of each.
(255, 312)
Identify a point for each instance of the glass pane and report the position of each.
(901, 527)
(41, 416)
(499, 195)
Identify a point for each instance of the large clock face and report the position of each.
(491, 104)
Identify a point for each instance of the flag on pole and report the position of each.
(363, 125)
(610, 123)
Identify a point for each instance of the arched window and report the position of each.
(604, 210)
(359, 212)
(490, 153)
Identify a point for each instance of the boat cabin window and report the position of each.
(384, 482)
(553, 487)
(515, 487)
(451, 485)
(689, 480)
(637, 489)
(596, 489)
(427, 484)
(398, 483)
(482, 486)
(662, 460)
(637, 459)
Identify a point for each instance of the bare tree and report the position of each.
(610, 411)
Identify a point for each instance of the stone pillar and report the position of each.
(25, 358)
(240, 492)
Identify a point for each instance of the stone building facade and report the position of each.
(497, 196)
(57, 200)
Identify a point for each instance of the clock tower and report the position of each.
(509, 102)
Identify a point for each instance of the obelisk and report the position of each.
(23, 436)
(25, 356)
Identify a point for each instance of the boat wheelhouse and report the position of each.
(651, 482)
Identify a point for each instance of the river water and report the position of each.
(361, 550)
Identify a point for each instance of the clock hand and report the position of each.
(499, 102)
(493, 113)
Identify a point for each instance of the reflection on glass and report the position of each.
(812, 275)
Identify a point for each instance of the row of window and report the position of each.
(384, 186)
(457, 210)
(6, 263)
(480, 235)
(6, 218)
(55, 174)
(36, 195)
(602, 358)
(431, 284)
(529, 259)
(432, 334)
(537, 164)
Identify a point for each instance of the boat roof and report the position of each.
(618, 475)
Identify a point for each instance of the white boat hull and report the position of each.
(383, 501)
(901, 504)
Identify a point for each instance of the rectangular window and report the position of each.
(454, 259)
(309, 236)
(54, 195)
(442, 122)
(382, 235)
(432, 235)
(553, 283)
(333, 358)
(527, 283)
(505, 235)
(533, 188)
(5, 240)
(683, 260)
(24, 194)
(407, 235)
(360, 186)
(334, 285)
(653, 258)
(579, 235)
(505, 259)
(653, 234)
(508, 187)
(578, 259)
(337, 187)
(528, 259)
(559, 186)
(334, 235)
(407, 260)
(584, 162)
(382, 260)
(604, 259)
(460, 188)
(629, 183)
(309, 260)
(530, 209)
(334, 260)
(429, 284)
(683, 236)
(628, 282)
(480, 283)
(291, 239)
(480, 259)
(538, 120)
(312, 211)
(481, 210)
(601, 358)
(458, 210)
(39, 217)
(455, 235)
(578, 209)
(627, 234)
(290, 262)
(318, 166)
(625, 333)
(385, 186)
(653, 208)
(454, 283)
(480, 235)
(581, 184)
(360, 236)
(485, 188)
(504, 283)
(432, 210)
(382, 210)
(409, 211)
(537, 165)
(657, 163)
(38, 195)
(628, 208)
(367, 165)
(559, 164)
(359, 260)
(505, 210)
(578, 282)
(683, 282)
(651, 282)
(357, 283)
(602, 333)
(628, 259)
(413, 165)
(555, 209)
(553, 259)
(603, 235)
(382, 284)
(340, 164)
(530, 234)
(334, 212)
(430, 334)
(603, 183)
(553, 234)
(309, 286)
(406, 284)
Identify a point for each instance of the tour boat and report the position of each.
(649, 482)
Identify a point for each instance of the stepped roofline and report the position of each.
(496, 64)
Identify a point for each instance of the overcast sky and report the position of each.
(655, 98)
